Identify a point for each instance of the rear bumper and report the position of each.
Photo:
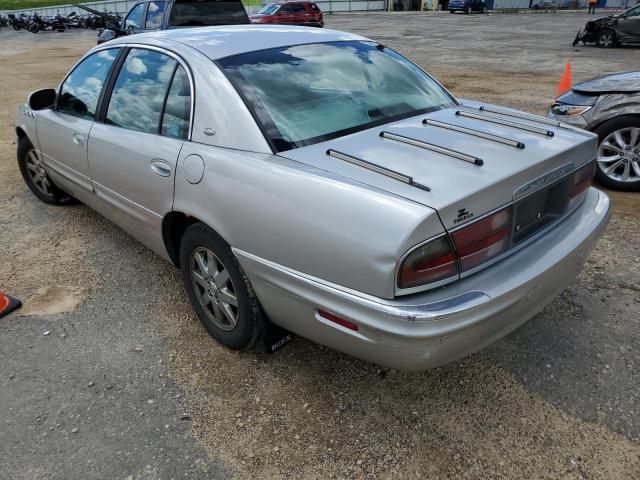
(436, 327)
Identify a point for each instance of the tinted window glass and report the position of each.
(297, 8)
(269, 9)
(175, 121)
(139, 91)
(285, 9)
(305, 94)
(155, 12)
(207, 12)
(80, 91)
(134, 19)
(634, 12)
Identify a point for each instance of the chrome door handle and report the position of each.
(160, 167)
(78, 139)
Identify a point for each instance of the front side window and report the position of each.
(139, 91)
(80, 91)
(155, 12)
(306, 94)
(134, 19)
(175, 120)
(190, 13)
(634, 12)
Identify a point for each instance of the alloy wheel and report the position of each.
(37, 173)
(619, 155)
(605, 40)
(214, 289)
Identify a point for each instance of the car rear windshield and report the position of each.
(306, 94)
(196, 13)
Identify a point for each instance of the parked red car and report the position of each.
(290, 13)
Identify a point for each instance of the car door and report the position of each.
(133, 22)
(63, 131)
(134, 145)
(299, 14)
(629, 26)
(285, 14)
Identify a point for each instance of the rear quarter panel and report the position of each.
(304, 218)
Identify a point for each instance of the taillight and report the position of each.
(483, 240)
(582, 179)
(431, 262)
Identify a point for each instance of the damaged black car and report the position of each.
(612, 30)
(610, 107)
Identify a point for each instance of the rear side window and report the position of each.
(297, 8)
(155, 12)
(80, 91)
(190, 13)
(177, 111)
(139, 91)
(134, 19)
(314, 7)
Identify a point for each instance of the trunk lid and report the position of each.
(459, 190)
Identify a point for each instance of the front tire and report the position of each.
(218, 289)
(606, 39)
(619, 153)
(36, 177)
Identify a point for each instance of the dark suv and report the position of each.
(148, 15)
(467, 6)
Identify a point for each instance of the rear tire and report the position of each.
(36, 177)
(626, 127)
(218, 289)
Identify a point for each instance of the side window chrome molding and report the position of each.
(180, 61)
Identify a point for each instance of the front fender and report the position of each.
(25, 123)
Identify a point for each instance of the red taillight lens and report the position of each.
(429, 263)
(483, 240)
(582, 179)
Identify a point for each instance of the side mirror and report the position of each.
(42, 99)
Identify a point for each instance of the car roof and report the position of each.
(224, 41)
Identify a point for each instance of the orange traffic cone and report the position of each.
(8, 304)
(565, 81)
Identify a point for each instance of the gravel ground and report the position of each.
(126, 383)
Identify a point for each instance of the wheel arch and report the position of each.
(21, 133)
(174, 224)
(616, 118)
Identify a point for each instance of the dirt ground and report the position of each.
(106, 372)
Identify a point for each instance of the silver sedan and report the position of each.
(321, 183)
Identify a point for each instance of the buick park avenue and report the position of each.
(321, 182)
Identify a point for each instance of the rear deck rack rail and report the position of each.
(377, 168)
(476, 133)
(434, 148)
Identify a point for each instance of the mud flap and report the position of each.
(273, 336)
